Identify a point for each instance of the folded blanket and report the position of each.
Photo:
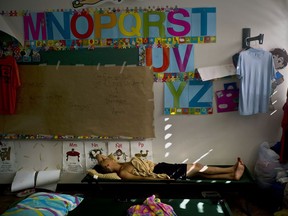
(97, 175)
(145, 168)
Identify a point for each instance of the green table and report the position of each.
(182, 207)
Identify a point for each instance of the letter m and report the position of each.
(35, 26)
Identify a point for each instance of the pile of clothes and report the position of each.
(268, 168)
(151, 206)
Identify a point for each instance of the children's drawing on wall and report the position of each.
(142, 149)
(81, 3)
(91, 150)
(120, 150)
(73, 156)
(7, 156)
(280, 58)
(190, 97)
(227, 100)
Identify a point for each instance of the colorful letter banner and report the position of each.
(177, 59)
(120, 28)
(166, 63)
(190, 97)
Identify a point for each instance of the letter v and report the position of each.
(183, 65)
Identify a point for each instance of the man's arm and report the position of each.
(100, 158)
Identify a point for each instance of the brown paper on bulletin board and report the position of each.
(83, 101)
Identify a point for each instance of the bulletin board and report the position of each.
(97, 56)
(83, 101)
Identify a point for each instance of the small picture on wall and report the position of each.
(7, 156)
(93, 148)
(142, 149)
(73, 157)
(120, 150)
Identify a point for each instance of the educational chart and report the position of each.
(83, 101)
(142, 149)
(7, 156)
(189, 97)
(120, 150)
(92, 148)
(119, 28)
(167, 63)
(73, 157)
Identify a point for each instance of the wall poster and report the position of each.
(7, 156)
(189, 97)
(73, 157)
(92, 148)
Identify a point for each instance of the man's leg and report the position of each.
(233, 172)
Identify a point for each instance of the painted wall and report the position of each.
(187, 138)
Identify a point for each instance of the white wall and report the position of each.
(229, 135)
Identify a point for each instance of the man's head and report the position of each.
(108, 164)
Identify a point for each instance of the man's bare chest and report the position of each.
(128, 167)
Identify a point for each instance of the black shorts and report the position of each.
(174, 171)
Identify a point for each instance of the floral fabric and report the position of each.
(151, 207)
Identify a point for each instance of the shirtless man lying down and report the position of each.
(138, 169)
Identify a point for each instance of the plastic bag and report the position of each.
(267, 166)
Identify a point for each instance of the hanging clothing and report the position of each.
(9, 82)
(284, 137)
(255, 69)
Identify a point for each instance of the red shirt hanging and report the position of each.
(9, 82)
